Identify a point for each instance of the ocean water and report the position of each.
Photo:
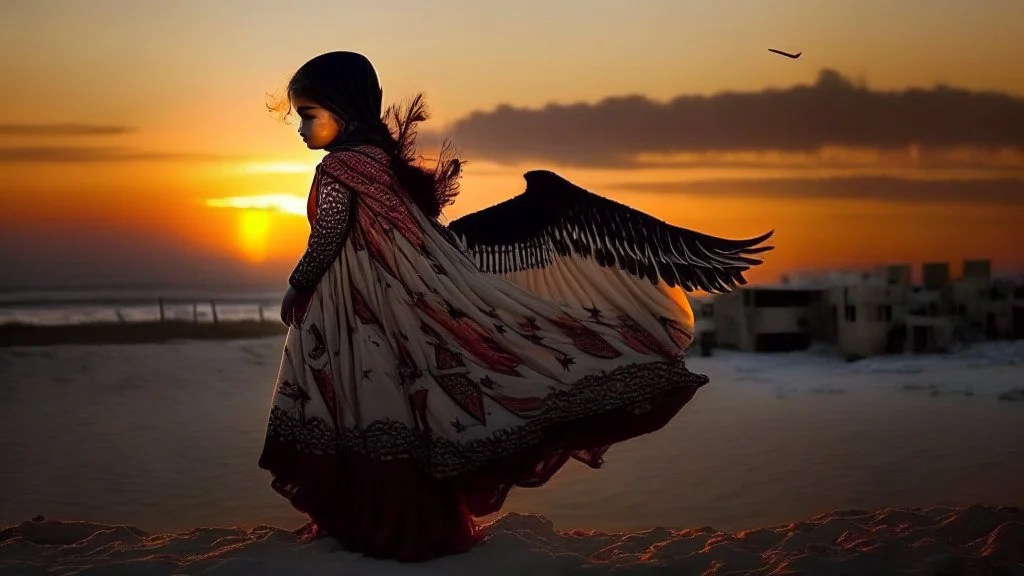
(166, 437)
(63, 307)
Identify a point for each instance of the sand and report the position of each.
(972, 540)
(210, 397)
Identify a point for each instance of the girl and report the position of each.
(429, 369)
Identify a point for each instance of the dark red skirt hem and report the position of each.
(395, 509)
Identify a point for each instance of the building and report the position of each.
(929, 324)
(861, 313)
(823, 312)
(869, 313)
(870, 316)
(703, 324)
(935, 275)
(896, 274)
(977, 269)
(764, 319)
(983, 307)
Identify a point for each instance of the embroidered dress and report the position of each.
(418, 387)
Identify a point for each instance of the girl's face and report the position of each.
(318, 127)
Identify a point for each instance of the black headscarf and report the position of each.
(346, 84)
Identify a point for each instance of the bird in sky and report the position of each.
(786, 54)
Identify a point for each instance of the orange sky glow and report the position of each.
(141, 127)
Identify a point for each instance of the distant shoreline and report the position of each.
(14, 335)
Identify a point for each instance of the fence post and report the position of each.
(195, 313)
(213, 308)
(161, 300)
(261, 314)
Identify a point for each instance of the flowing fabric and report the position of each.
(417, 390)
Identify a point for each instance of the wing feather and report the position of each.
(555, 217)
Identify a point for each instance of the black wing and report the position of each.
(553, 216)
(786, 54)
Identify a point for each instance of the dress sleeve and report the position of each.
(327, 237)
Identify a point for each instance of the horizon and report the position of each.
(130, 156)
(796, 278)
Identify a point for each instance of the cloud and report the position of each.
(84, 154)
(78, 154)
(833, 112)
(993, 191)
(1007, 161)
(63, 130)
(283, 203)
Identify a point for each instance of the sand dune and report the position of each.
(974, 540)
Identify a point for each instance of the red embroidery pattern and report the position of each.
(465, 392)
(325, 384)
(361, 307)
(529, 325)
(472, 338)
(319, 343)
(675, 332)
(375, 239)
(446, 359)
(519, 406)
(639, 339)
(585, 339)
(367, 172)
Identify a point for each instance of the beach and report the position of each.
(140, 459)
(966, 541)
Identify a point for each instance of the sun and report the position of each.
(256, 214)
(253, 234)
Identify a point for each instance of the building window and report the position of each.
(885, 313)
(851, 313)
(782, 299)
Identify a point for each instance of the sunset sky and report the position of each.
(135, 146)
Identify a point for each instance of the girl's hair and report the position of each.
(353, 95)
